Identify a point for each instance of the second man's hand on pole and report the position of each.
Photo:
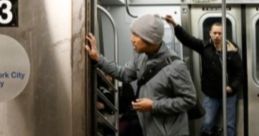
(91, 47)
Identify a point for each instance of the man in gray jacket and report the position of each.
(165, 98)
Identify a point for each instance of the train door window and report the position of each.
(170, 41)
(207, 25)
(257, 50)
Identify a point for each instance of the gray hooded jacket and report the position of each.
(171, 90)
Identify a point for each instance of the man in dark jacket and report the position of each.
(165, 98)
(210, 52)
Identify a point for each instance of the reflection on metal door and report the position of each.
(252, 22)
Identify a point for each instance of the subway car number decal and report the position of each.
(8, 12)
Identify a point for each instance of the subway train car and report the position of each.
(50, 86)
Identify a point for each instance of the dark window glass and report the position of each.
(257, 49)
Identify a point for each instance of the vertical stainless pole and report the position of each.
(224, 67)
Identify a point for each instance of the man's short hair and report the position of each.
(216, 24)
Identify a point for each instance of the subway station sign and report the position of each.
(14, 68)
(8, 13)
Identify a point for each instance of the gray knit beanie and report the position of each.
(149, 27)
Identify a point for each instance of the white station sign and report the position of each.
(14, 68)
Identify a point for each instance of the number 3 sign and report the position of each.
(6, 6)
(7, 13)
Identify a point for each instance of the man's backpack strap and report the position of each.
(152, 71)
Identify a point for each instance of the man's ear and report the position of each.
(210, 33)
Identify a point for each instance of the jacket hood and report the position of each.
(231, 47)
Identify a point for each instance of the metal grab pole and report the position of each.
(224, 67)
(116, 100)
(114, 30)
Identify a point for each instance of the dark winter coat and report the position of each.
(211, 78)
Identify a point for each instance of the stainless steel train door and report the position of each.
(202, 18)
(252, 27)
(53, 103)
